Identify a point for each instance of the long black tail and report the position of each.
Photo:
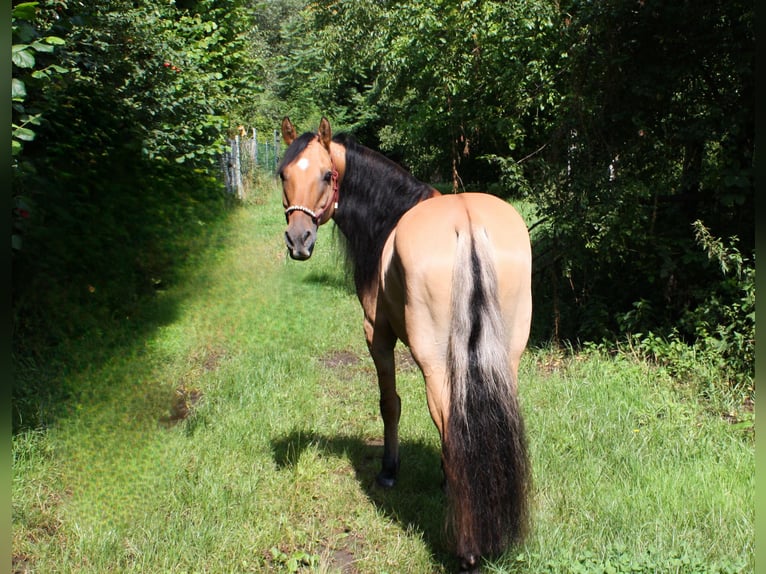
(485, 452)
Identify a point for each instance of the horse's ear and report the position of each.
(288, 131)
(325, 133)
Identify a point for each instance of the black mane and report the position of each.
(373, 196)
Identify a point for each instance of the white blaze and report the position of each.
(303, 164)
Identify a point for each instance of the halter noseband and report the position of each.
(315, 216)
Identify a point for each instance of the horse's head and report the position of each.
(309, 186)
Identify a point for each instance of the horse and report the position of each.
(448, 275)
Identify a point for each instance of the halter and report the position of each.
(315, 216)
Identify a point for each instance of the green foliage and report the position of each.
(298, 561)
(725, 322)
(447, 83)
(656, 132)
(615, 559)
(148, 85)
(120, 180)
(431, 84)
(720, 361)
(169, 77)
(29, 69)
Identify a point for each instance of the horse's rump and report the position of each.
(422, 252)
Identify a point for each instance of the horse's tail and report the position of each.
(485, 452)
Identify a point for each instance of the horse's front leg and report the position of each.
(381, 342)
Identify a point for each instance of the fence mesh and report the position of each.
(244, 157)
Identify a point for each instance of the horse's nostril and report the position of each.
(307, 236)
(288, 239)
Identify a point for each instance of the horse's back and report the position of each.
(419, 262)
(433, 223)
(426, 236)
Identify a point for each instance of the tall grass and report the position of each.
(242, 434)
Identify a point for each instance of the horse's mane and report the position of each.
(373, 196)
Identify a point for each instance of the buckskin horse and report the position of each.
(450, 277)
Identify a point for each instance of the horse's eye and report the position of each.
(328, 177)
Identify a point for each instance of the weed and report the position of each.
(298, 561)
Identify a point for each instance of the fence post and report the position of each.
(226, 169)
(255, 148)
(276, 150)
(237, 168)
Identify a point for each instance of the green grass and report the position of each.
(273, 469)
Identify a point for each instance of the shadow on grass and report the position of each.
(91, 282)
(42, 389)
(416, 502)
(328, 279)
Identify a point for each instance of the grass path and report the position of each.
(242, 435)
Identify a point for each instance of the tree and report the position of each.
(123, 164)
(657, 131)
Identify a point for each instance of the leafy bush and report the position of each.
(718, 362)
(114, 163)
(725, 322)
(28, 45)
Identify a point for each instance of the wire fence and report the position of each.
(245, 156)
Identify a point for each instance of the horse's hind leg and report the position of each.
(381, 342)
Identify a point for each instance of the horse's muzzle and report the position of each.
(300, 241)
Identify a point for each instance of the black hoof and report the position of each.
(387, 475)
(469, 563)
(385, 480)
